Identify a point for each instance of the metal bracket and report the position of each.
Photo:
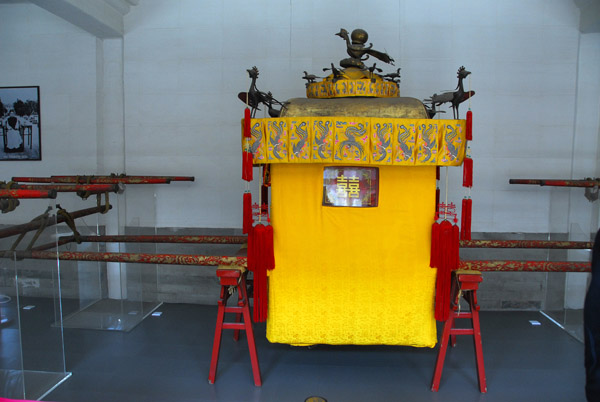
(591, 193)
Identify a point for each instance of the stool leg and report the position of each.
(217, 342)
(250, 336)
(478, 344)
(439, 364)
(238, 316)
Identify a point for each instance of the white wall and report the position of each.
(191, 57)
(40, 49)
(184, 62)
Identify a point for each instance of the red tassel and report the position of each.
(247, 166)
(259, 311)
(250, 250)
(468, 172)
(437, 202)
(463, 217)
(434, 260)
(247, 133)
(468, 215)
(269, 251)
(455, 250)
(469, 126)
(247, 213)
(449, 258)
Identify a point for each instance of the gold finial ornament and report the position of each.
(354, 78)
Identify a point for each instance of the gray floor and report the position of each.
(167, 358)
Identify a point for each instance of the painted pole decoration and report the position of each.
(525, 266)
(526, 244)
(17, 193)
(557, 183)
(139, 258)
(66, 188)
(104, 179)
(60, 218)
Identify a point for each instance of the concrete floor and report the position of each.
(167, 358)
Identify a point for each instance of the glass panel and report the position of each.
(115, 296)
(346, 186)
(573, 213)
(32, 361)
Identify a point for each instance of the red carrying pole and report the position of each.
(19, 193)
(65, 188)
(556, 183)
(139, 258)
(27, 227)
(166, 239)
(526, 244)
(528, 266)
(104, 179)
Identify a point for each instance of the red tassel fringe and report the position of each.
(247, 166)
(469, 128)
(448, 259)
(247, 133)
(468, 172)
(465, 219)
(247, 213)
(262, 260)
(434, 260)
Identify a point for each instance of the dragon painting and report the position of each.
(403, 138)
(257, 135)
(302, 133)
(382, 131)
(351, 142)
(275, 140)
(449, 137)
(429, 141)
(322, 133)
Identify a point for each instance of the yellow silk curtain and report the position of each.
(352, 275)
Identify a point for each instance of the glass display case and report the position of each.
(112, 295)
(32, 358)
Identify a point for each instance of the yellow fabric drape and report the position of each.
(357, 141)
(352, 275)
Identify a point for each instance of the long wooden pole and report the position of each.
(20, 193)
(140, 258)
(166, 239)
(35, 225)
(527, 266)
(526, 244)
(104, 179)
(556, 183)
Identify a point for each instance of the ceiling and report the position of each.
(104, 18)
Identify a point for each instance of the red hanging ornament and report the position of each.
(247, 213)
(463, 220)
(469, 126)
(247, 118)
(435, 243)
(250, 250)
(468, 215)
(269, 252)
(260, 273)
(437, 202)
(247, 165)
(449, 258)
(467, 172)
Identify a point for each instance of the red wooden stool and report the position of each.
(464, 283)
(232, 279)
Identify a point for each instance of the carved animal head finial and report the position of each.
(253, 72)
(462, 72)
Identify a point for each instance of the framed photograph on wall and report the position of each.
(20, 126)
